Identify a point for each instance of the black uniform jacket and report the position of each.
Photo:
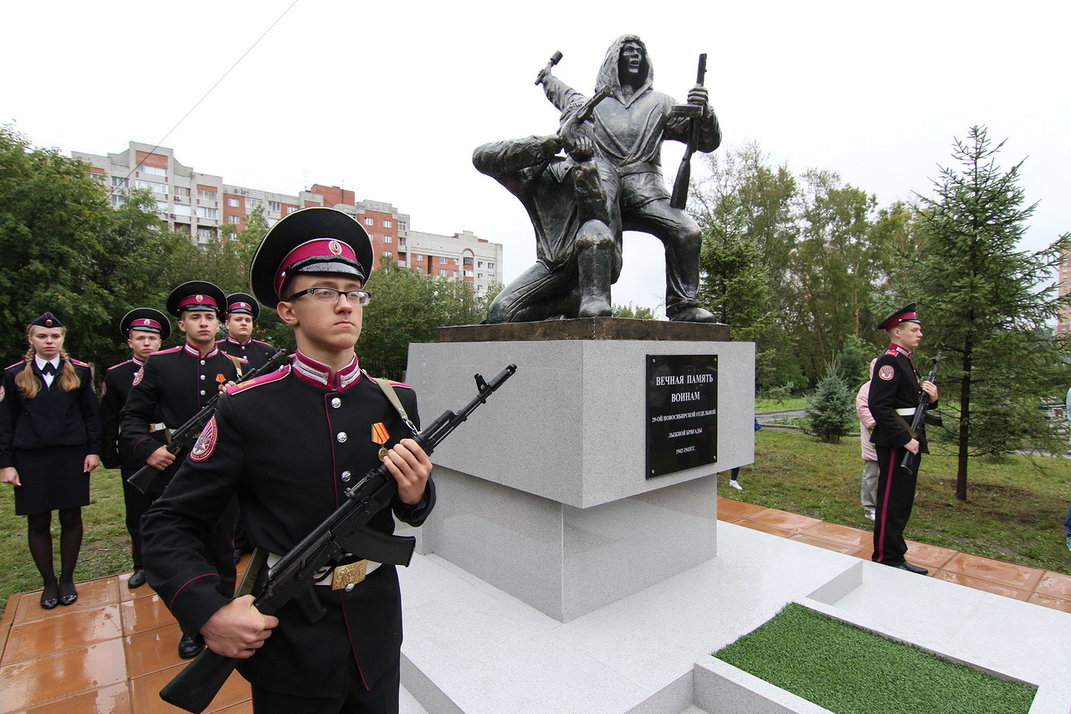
(895, 385)
(117, 384)
(52, 418)
(288, 444)
(256, 352)
(171, 387)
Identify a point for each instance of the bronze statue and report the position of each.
(619, 187)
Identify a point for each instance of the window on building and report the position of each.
(274, 206)
(388, 239)
(369, 221)
(154, 170)
(388, 254)
(386, 223)
(234, 220)
(468, 273)
(490, 266)
(181, 192)
(233, 201)
(206, 194)
(442, 260)
(444, 273)
(120, 182)
(205, 212)
(152, 186)
(181, 209)
(118, 199)
(203, 232)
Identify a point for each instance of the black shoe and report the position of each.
(188, 647)
(137, 579)
(67, 594)
(49, 597)
(913, 568)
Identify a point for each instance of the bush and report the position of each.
(831, 409)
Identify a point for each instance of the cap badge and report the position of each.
(335, 247)
(200, 298)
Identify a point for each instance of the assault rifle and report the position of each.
(344, 531)
(921, 415)
(186, 435)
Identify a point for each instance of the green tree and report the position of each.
(631, 311)
(410, 307)
(987, 302)
(67, 251)
(831, 409)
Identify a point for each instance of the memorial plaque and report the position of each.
(682, 412)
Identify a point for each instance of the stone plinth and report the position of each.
(543, 493)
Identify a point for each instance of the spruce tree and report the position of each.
(986, 302)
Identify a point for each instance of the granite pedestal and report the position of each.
(544, 493)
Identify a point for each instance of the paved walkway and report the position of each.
(112, 651)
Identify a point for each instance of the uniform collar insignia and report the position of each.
(191, 350)
(321, 375)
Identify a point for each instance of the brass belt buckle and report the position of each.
(350, 574)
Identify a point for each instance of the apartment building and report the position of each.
(204, 207)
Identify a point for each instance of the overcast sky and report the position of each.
(389, 99)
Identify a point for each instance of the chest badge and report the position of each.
(380, 436)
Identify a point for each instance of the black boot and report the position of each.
(189, 647)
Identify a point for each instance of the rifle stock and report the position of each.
(194, 688)
(185, 435)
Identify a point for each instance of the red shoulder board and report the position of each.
(78, 362)
(263, 379)
(169, 350)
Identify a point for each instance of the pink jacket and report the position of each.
(866, 422)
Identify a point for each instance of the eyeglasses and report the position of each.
(331, 296)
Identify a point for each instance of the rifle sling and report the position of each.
(392, 397)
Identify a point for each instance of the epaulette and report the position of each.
(168, 351)
(120, 364)
(891, 352)
(263, 379)
(14, 364)
(78, 362)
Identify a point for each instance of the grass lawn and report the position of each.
(1014, 511)
(848, 670)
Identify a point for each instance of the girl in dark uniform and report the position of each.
(49, 442)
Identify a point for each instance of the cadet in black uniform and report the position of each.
(288, 444)
(242, 311)
(894, 396)
(170, 388)
(49, 442)
(145, 329)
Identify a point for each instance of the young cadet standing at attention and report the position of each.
(238, 319)
(288, 444)
(145, 329)
(170, 388)
(894, 396)
(49, 442)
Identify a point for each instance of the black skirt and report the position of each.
(52, 479)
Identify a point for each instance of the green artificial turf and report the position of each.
(852, 671)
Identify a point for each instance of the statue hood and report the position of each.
(608, 72)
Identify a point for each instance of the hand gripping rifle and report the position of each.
(684, 171)
(186, 435)
(344, 531)
(921, 417)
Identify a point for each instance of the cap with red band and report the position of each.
(313, 240)
(195, 295)
(145, 319)
(242, 303)
(904, 314)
